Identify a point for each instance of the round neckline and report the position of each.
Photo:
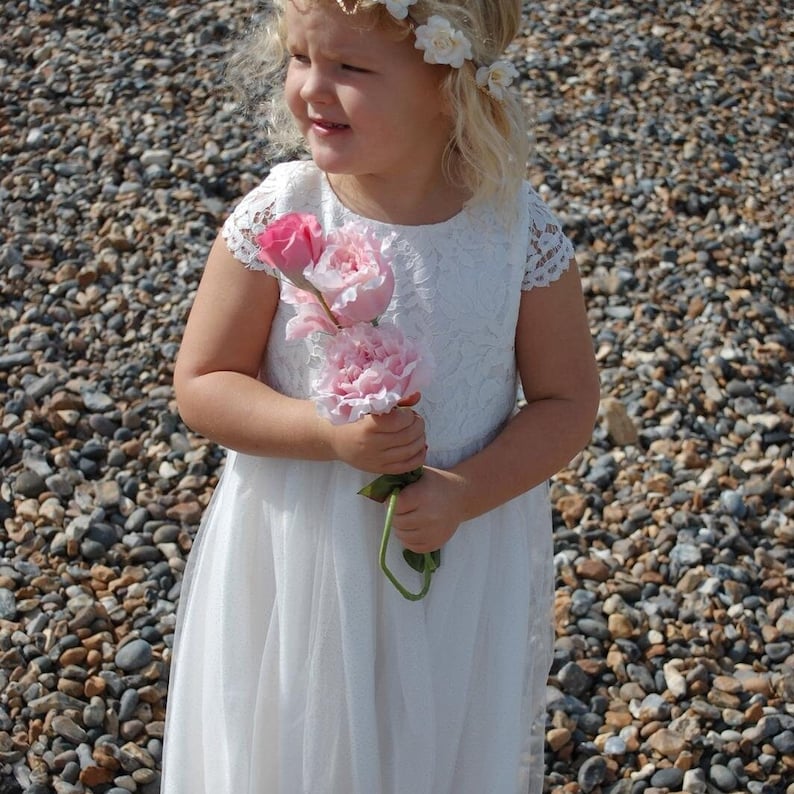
(328, 188)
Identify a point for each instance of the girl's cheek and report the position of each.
(292, 94)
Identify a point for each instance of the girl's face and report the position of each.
(363, 97)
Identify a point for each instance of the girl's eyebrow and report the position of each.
(338, 54)
(346, 55)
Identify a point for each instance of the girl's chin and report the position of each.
(331, 162)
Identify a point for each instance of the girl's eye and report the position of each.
(348, 68)
(298, 58)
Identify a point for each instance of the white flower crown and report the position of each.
(444, 44)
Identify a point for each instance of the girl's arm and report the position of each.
(220, 396)
(554, 352)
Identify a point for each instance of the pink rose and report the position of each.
(354, 274)
(310, 316)
(367, 370)
(290, 244)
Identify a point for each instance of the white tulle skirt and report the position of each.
(299, 668)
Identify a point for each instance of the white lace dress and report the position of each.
(298, 667)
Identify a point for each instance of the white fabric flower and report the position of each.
(442, 43)
(496, 78)
(397, 8)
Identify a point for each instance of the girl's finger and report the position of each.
(411, 399)
(395, 421)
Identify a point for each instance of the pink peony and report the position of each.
(367, 370)
(354, 274)
(290, 244)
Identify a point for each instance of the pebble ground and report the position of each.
(663, 139)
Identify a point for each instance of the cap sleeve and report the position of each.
(254, 212)
(549, 252)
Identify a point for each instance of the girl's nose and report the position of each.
(316, 86)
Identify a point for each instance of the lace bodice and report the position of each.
(457, 288)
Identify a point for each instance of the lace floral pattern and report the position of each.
(249, 218)
(549, 251)
(458, 287)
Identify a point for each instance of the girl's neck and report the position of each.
(406, 203)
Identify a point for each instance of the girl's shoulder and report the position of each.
(549, 250)
(288, 187)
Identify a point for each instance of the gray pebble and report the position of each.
(60, 484)
(40, 387)
(573, 680)
(723, 778)
(10, 361)
(670, 778)
(68, 729)
(593, 628)
(590, 723)
(71, 772)
(133, 655)
(92, 549)
(785, 393)
(733, 504)
(695, 781)
(144, 554)
(615, 745)
(94, 713)
(102, 533)
(29, 484)
(592, 773)
(784, 743)
(129, 702)
(8, 604)
(778, 651)
(137, 519)
(97, 401)
(642, 676)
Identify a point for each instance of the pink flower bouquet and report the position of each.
(340, 284)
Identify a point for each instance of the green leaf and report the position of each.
(420, 562)
(381, 488)
(415, 560)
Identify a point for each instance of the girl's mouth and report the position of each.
(328, 125)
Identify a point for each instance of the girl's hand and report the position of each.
(430, 510)
(391, 443)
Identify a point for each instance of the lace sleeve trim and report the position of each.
(249, 218)
(549, 252)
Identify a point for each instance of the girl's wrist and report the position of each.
(327, 437)
(465, 492)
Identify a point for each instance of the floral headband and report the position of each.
(443, 44)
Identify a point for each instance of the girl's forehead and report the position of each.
(330, 9)
(327, 12)
(324, 21)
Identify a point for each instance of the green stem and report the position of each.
(429, 564)
(327, 308)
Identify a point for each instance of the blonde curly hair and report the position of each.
(488, 149)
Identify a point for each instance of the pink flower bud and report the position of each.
(290, 244)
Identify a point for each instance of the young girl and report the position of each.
(298, 667)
